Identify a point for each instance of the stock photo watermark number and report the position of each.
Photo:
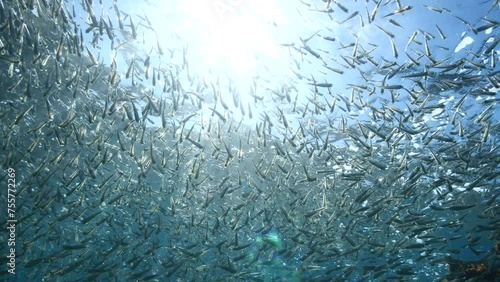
(11, 220)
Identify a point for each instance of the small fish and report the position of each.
(218, 114)
(394, 48)
(349, 17)
(133, 28)
(391, 35)
(399, 11)
(392, 21)
(441, 33)
(374, 12)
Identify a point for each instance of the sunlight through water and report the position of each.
(234, 40)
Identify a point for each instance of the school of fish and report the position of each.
(368, 162)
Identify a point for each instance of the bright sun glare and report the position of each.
(228, 39)
(232, 35)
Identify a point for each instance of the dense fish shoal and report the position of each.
(304, 141)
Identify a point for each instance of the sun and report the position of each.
(227, 42)
(231, 35)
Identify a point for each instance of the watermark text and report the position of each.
(11, 220)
